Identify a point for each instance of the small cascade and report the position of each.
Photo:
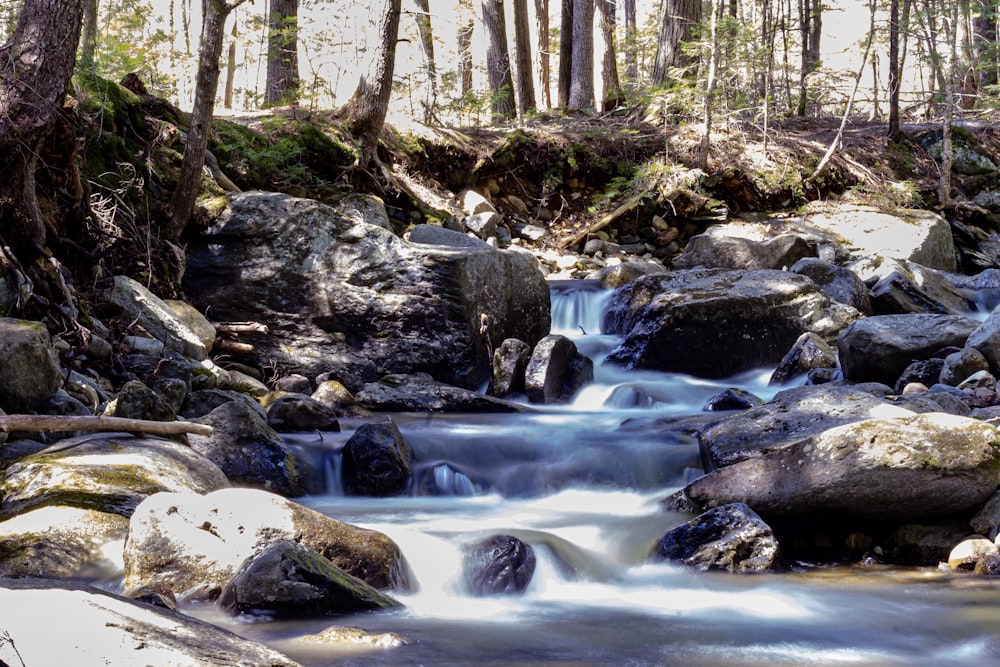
(578, 307)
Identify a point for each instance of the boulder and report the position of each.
(967, 553)
(959, 366)
(437, 235)
(137, 401)
(298, 412)
(509, 363)
(715, 323)
(556, 370)
(904, 469)
(732, 398)
(808, 353)
(29, 367)
(729, 537)
(790, 416)
(376, 461)
(156, 317)
(339, 399)
(879, 348)
(338, 293)
(287, 579)
(98, 628)
(986, 339)
(196, 322)
(899, 287)
(498, 565)
(838, 282)
(107, 472)
(195, 544)
(415, 393)
(717, 249)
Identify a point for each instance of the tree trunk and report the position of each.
(631, 48)
(612, 87)
(544, 67)
(894, 132)
(227, 100)
(713, 60)
(206, 83)
(423, 20)
(947, 156)
(522, 58)
(465, 55)
(581, 88)
(565, 52)
(282, 86)
(88, 40)
(498, 61)
(810, 29)
(36, 64)
(679, 17)
(367, 108)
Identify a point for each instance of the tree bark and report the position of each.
(423, 20)
(206, 84)
(679, 17)
(611, 86)
(54, 423)
(544, 67)
(36, 64)
(498, 61)
(522, 58)
(227, 100)
(88, 39)
(565, 52)
(713, 60)
(581, 88)
(465, 55)
(631, 48)
(282, 85)
(810, 29)
(894, 132)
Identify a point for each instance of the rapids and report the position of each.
(583, 490)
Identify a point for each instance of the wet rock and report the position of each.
(498, 565)
(158, 596)
(509, 363)
(252, 453)
(29, 368)
(689, 321)
(790, 416)
(98, 628)
(730, 537)
(414, 393)
(988, 565)
(137, 401)
(337, 292)
(808, 353)
(376, 461)
(555, 371)
(714, 250)
(880, 348)
(958, 366)
(288, 579)
(107, 472)
(986, 339)
(289, 413)
(903, 469)
(969, 551)
(924, 544)
(732, 398)
(839, 283)
(293, 384)
(926, 373)
(338, 398)
(350, 636)
(152, 314)
(194, 544)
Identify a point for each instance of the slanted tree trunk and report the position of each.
(36, 64)
(367, 108)
(423, 20)
(498, 62)
(282, 85)
(679, 17)
(565, 52)
(611, 87)
(581, 88)
(544, 67)
(522, 58)
(206, 84)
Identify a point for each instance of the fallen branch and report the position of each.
(630, 204)
(50, 423)
(240, 327)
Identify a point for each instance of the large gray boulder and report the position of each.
(715, 322)
(194, 544)
(342, 294)
(417, 393)
(107, 472)
(838, 282)
(904, 469)
(29, 368)
(98, 628)
(879, 348)
(157, 317)
(376, 461)
(715, 250)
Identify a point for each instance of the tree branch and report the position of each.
(50, 423)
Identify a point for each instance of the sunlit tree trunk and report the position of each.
(36, 64)
(366, 110)
(227, 100)
(424, 28)
(88, 39)
(894, 65)
(522, 58)
(810, 30)
(713, 63)
(676, 22)
(544, 66)
(581, 88)
(206, 84)
(498, 61)
(465, 31)
(612, 87)
(950, 25)
(282, 85)
(565, 52)
(631, 48)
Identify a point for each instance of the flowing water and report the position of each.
(581, 484)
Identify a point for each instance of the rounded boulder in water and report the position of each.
(498, 565)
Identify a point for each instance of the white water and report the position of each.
(583, 489)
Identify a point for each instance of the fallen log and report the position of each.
(50, 423)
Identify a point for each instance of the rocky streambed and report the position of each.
(874, 446)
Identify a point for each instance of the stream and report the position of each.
(581, 483)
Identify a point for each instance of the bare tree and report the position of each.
(631, 48)
(544, 68)
(282, 85)
(498, 61)
(36, 64)
(366, 110)
(678, 19)
(565, 51)
(612, 87)
(206, 84)
(424, 28)
(522, 58)
(811, 30)
(894, 65)
(950, 25)
(227, 99)
(581, 88)
(713, 63)
(465, 30)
